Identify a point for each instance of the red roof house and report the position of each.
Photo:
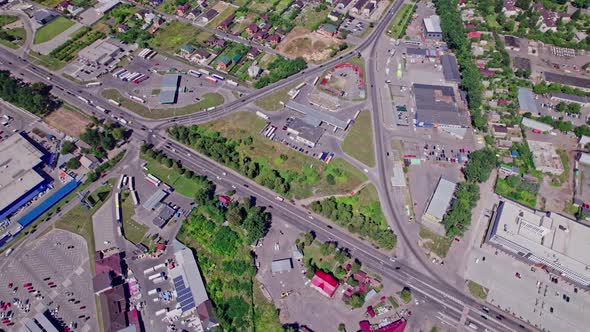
(224, 199)
(474, 34)
(324, 283)
(397, 326)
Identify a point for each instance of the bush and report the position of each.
(73, 163)
(67, 147)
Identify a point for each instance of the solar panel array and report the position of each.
(184, 296)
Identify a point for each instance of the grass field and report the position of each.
(440, 245)
(477, 290)
(181, 184)
(79, 219)
(273, 101)
(399, 23)
(359, 141)
(525, 197)
(311, 19)
(207, 100)
(134, 231)
(52, 29)
(46, 61)
(19, 33)
(7, 19)
(175, 34)
(224, 12)
(307, 175)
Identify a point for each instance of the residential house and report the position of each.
(62, 7)
(358, 6)
(509, 9)
(260, 36)
(193, 14)
(140, 14)
(203, 3)
(281, 33)
(155, 3)
(324, 283)
(215, 42)
(343, 4)
(122, 28)
(251, 29)
(200, 55)
(224, 62)
(253, 53)
(182, 10)
(187, 50)
(328, 30)
(368, 10)
(334, 16)
(549, 18)
(226, 23)
(298, 4)
(273, 39)
(43, 17)
(209, 15)
(254, 71)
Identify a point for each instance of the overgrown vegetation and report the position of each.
(518, 189)
(33, 97)
(102, 140)
(281, 68)
(398, 25)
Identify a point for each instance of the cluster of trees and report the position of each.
(105, 166)
(225, 151)
(345, 215)
(102, 139)
(477, 170)
(455, 36)
(572, 108)
(544, 88)
(480, 165)
(68, 50)
(279, 69)
(5, 35)
(34, 97)
(559, 124)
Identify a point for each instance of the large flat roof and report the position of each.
(450, 68)
(187, 279)
(436, 104)
(314, 116)
(568, 80)
(169, 89)
(101, 51)
(432, 24)
(526, 100)
(17, 177)
(441, 199)
(547, 238)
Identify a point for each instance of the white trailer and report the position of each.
(131, 183)
(157, 275)
(121, 180)
(298, 87)
(84, 99)
(161, 312)
(137, 99)
(91, 84)
(114, 102)
(154, 268)
(154, 291)
(100, 108)
(159, 280)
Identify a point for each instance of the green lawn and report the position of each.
(134, 231)
(477, 290)
(359, 141)
(210, 99)
(273, 101)
(19, 33)
(440, 245)
(176, 33)
(79, 219)
(52, 29)
(311, 19)
(7, 19)
(180, 183)
(525, 197)
(307, 175)
(399, 23)
(46, 61)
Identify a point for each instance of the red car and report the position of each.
(6, 322)
(82, 307)
(50, 283)
(28, 284)
(10, 285)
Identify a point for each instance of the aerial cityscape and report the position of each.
(294, 165)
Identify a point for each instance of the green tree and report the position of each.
(406, 295)
(73, 163)
(67, 147)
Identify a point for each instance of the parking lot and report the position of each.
(51, 273)
(355, 26)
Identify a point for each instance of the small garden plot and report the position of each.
(519, 189)
(312, 19)
(235, 52)
(225, 10)
(175, 34)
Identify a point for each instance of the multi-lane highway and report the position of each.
(452, 301)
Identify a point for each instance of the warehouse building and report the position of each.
(526, 101)
(579, 82)
(436, 106)
(281, 265)
(20, 176)
(304, 132)
(546, 239)
(169, 89)
(450, 68)
(101, 52)
(317, 117)
(439, 203)
(432, 27)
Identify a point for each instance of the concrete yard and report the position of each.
(62, 257)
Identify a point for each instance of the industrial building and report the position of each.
(436, 106)
(579, 82)
(20, 175)
(169, 89)
(166, 213)
(432, 27)
(543, 239)
(154, 201)
(101, 52)
(450, 68)
(304, 132)
(316, 117)
(439, 203)
(191, 295)
(545, 157)
(534, 124)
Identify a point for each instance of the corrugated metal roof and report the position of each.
(450, 68)
(155, 199)
(526, 100)
(281, 265)
(441, 199)
(315, 117)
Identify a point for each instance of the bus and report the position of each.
(212, 79)
(114, 102)
(91, 84)
(118, 206)
(137, 99)
(194, 73)
(221, 78)
(298, 87)
(84, 99)
(121, 179)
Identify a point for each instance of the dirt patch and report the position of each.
(70, 122)
(312, 46)
(16, 24)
